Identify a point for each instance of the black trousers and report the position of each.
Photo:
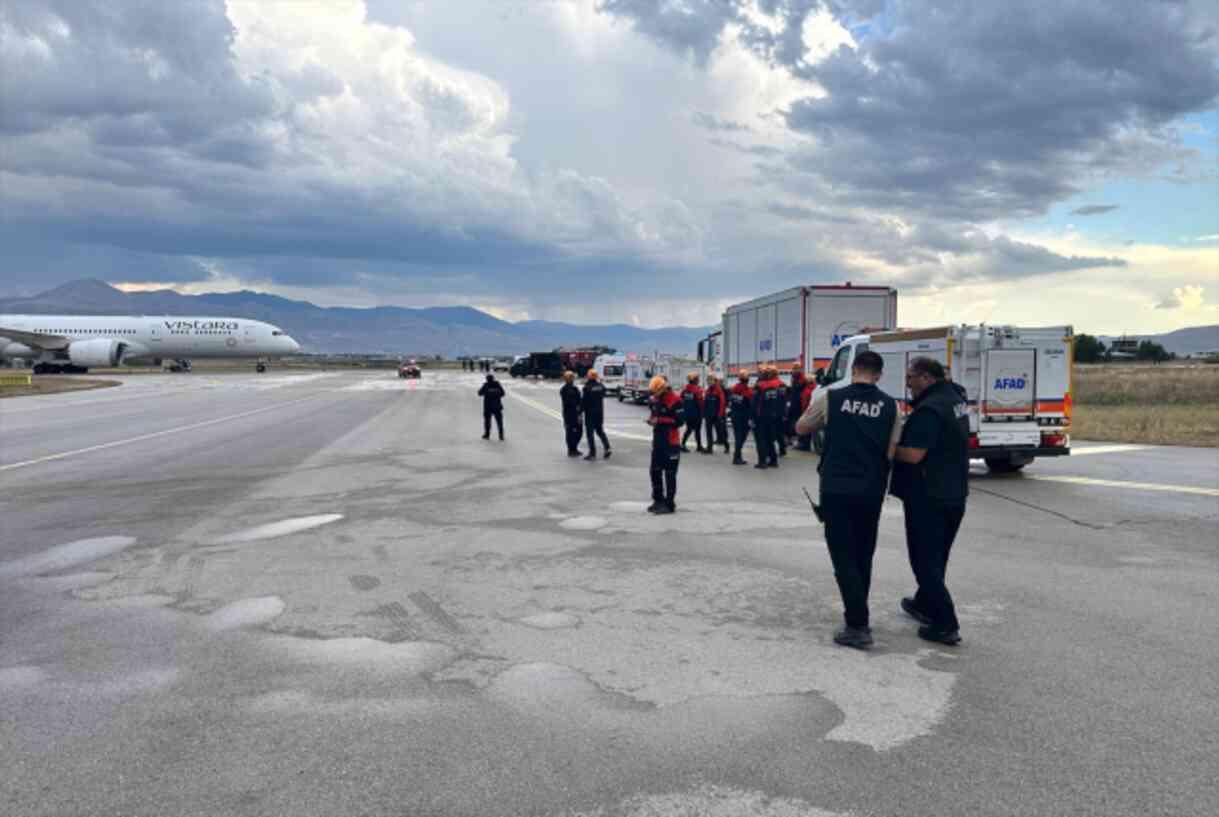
(740, 433)
(574, 432)
(595, 425)
(779, 434)
(931, 527)
(851, 523)
(663, 472)
(695, 428)
(717, 431)
(498, 414)
(764, 441)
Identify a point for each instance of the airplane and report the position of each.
(71, 344)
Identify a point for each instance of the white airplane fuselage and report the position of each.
(102, 340)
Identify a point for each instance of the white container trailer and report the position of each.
(802, 326)
(1017, 381)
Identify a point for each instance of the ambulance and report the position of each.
(1017, 382)
(610, 369)
(637, 371)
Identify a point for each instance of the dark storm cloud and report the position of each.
(1094, 209)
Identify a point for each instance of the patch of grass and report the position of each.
(1146, 385)
(49, 384)
(1159, 425)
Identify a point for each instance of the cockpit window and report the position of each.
(276, 332)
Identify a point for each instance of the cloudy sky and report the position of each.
(648, 161)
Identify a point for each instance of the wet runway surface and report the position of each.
(320, 594)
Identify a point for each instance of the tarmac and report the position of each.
(323, 593)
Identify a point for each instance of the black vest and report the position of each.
(859, 424)
(594, 398)
(945, 470)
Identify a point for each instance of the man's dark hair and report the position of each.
(928, 366)
(869, 362)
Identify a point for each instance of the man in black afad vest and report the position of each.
(861, 432)
(572, 408)
(931, 477)
(492, 394)
(593, 403)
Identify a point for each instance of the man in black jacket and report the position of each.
(861, 431)
(572, 409)
(593, 403)
(492, 394)
(931, 477)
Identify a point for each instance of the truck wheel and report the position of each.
(1002, 465)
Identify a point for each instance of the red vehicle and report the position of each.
(410, 369)
(582, 359)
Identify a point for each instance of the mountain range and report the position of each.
(449, 331)
(1193, 340)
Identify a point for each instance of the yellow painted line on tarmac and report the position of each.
(1134, 486)
(1106, 449)
(547, 410)
(65, 454)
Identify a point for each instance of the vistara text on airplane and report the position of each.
(74, 343)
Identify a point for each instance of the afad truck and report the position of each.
(1017, 381)
(798, 327)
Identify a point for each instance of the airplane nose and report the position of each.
(293, 347)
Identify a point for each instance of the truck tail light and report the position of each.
(1066, 406)
(974, 442)
(1054, 440)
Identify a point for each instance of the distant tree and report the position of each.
(1088, 349)
(1149, 350)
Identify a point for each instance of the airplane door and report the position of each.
(248, 336)
(155, 335)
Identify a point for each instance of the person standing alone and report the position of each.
(665, 419)
(572, 408)
(931, 478)
(593, 403)
(861, 430)
(492, 394)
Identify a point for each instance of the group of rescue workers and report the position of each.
(868, 451)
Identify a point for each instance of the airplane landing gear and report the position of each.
(260, 367)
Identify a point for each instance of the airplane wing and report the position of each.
(34, 340)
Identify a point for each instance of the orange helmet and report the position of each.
(658, 384)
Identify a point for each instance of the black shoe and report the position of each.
(725, 449)
(911, 609)
(685, 448)
(664, 507)
(574, 453)
(656, 505)
(761, 465)
(949, 637)
(858, 637)
(739, 461)
(486, 436)
(501, 438)
(591, 455)
(783, 453)
(774, 464)
(606, 455)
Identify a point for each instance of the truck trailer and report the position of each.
(798, 327)
(1017, 382)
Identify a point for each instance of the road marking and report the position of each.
(533, 404)
(153, 435)
(1137, 486)
(1106, 449)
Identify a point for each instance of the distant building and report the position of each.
(1124, 348)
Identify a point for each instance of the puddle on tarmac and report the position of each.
(246, 613)
(284, 527)
(584, 523)
(551, 621)
(67, 555)
(410, 657)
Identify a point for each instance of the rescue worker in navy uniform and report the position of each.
(593, 403)
(740, 406)
(572, 408)
(492, 394)
(931, 477)
(692, 406)
(714, 409)
(794, 409)
(665, 419)
(862, 427)
(769, 408)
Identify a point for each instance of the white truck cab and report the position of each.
(1017, 381)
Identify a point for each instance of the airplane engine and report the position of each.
(96, 352)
